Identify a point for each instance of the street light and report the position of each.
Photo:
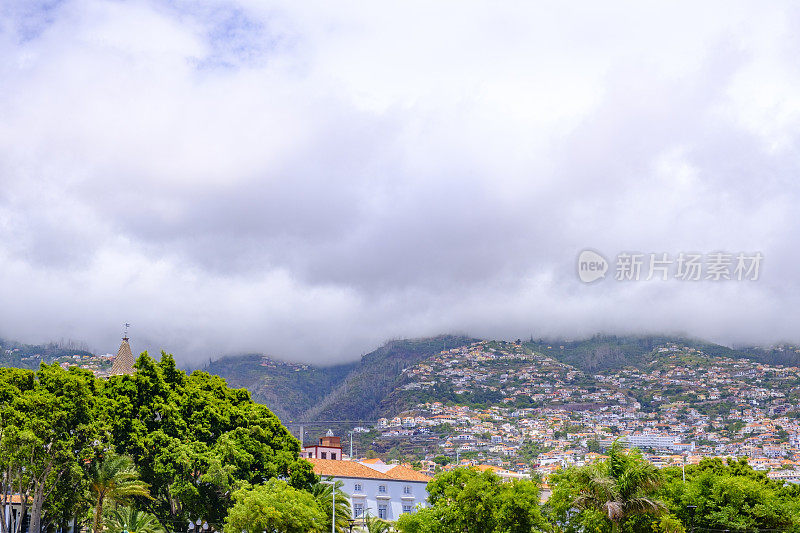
(692, 509)
(333, 504)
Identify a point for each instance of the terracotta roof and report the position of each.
(331, 467)
(405, 473)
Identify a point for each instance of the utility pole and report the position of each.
(683, 468)
(351, 445)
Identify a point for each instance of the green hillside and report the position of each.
(352, 391)
(360, 395)
(375, 386)
(20, 355)
(287, 389)
(605, 352)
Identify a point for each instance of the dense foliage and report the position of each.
(468, 501)
(622, 493)
(65, 440)
(731, 496)
(275, 507)
(48, 430)
(619, 493)
(195, 440)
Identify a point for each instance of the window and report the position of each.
(358, 510)
(382, 489)
(357, 488)
(382, 512)
(406, 490)
(324, 455)
(407, 508)
(333, 455)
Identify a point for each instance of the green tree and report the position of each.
(274, 507)
(128, 519)
(196, 441)
(322, 493)
(442, 460)
(517, 508)
(731, 495)
(113, 477)
(373, 524)
(530, 451)
(468, 501)
(48, 432)
(606, 494)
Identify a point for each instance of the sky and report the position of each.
(310, 179)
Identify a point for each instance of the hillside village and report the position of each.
(679, 408)
(505, 406)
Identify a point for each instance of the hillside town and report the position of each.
(681, 407)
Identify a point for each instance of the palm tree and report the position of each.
(620, 487)
(376, 525)
(322, 493)
(113, 477)
(128, 519)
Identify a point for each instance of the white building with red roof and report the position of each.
(382, 490)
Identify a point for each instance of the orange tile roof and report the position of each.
(330, 467)
(405, 473)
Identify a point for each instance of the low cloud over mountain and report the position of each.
(242, 176)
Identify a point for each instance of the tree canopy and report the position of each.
(195, 440)
(730, 495)
(619, 493)
(190, 438)
(465, 500)
(275, 507)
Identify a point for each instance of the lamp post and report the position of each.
(332, 483)
(691, 509)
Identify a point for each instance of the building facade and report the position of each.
(328, 447)
(375, 488)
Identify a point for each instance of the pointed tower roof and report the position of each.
(123, 362)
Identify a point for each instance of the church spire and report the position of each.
(123, 362)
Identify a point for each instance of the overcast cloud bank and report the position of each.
(261, 176)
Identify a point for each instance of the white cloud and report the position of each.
(310, 182)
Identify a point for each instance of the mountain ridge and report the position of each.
(370, 388)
